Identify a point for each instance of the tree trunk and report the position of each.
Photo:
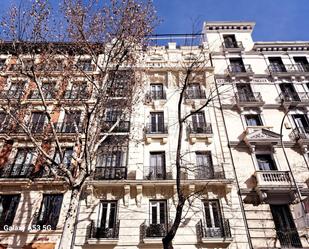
(69, 223)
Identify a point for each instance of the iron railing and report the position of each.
(17, 171)
(200, 128)
(239, 69)
(288, 68)
(289, 238)
(223, 231)
(192, 94)
(95, 232)
(208, 172)
(156, 172)
(110, 172)
(181, 39)
(156, 128)
(292, 97)
(253, 97)
(156, 95)
(153, 230)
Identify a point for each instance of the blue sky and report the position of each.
(275, 19)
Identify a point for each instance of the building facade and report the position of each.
(243, 192)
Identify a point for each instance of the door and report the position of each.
(245, 93)
(213, 219)
(198, 122)
(158, 219)
(288, 92)
(157, 166)
(285, 227)
(204, 166)
(301, 123)
(107, 220)
(265, 162)
(157, 122)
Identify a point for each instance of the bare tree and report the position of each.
(94, 54)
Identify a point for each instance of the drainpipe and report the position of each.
(234, 171)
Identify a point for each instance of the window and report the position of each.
(157, 166)
(8, 207)
(4, 122)
(2, 64)
(37, 122)
(16, 90)
(198, 122)
(107, 220)
(213, 219)
(285, 227)
(301, 123)
(302, 64)
(48, 90)
(112, 114)
(117, 83)
(111, 162)
(84, 64)
(276, 64)
(237, 65)
(78, 91)
(288, 92)
(157, 219)
(67, 157)
(245, 93)
(204, 165)
(230, 41)
(71, 123)
(22, 165)
(194, 91)
(49, 211)
(265, 162)
(253, 120)
(156, 91)
(157, 123)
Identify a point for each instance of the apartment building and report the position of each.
(245, 188)
(264, 101)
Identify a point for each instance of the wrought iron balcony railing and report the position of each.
(200, 128)
(153, 230)
(76, 95)
(96, 232)
(156, 128)
(239, 69)
(253, 97)
(289, 238)
(156, 172)
(17, 171)
(232, 45)
(294, 97)
(223, 231)
(209, 172)
(191, 94)
(288, 68)
(300, 133)
(110, 172)
(156, 95)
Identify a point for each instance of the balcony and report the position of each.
(123, 126)
(17, 171)
(274, 186)
(68, 127)
(200, 132)
(156, 173)
(103, 236)
(214, 236)
(289, 70)
(153, 233)
(76, 95)
(240, 70)
(155, 95)
(110, 173)
(209, 172)
(235, 46)
(157, 131)
(294, 98)
(253, 99)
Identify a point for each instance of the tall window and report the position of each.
(265, 162)
(156, 91)
(301, 123)
(157, 166)
(4, 122)
(117, 84)
(157, 219)
(194, 91)
(112, 114)
(253, 119)
(67, 157)
(204, 165)
(285, 227)
(230, 41)
(37, 122)
(48, 91)
(198, 122)
(157, 122)
(245, 93)
(288, 92)
(49, 211)
(276, 64)
(237, 65)
(213, 219)
(78, 91)
(107, 220)
(22, 165)
(8, 207)
(71, 122)
(16, 90)
(302, 64)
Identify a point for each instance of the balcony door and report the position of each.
(157, 166)
(245, 93)
(213, 219)
(265, 162)
(301, 123)
(289, 92)
(302, 64)
(157, 122)
(276, 64)
(204, 166)
(237, 65)
(107, 219)
(198, 122)
(285, 227)
(157, 219)
(22, 163)
(156, 91)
